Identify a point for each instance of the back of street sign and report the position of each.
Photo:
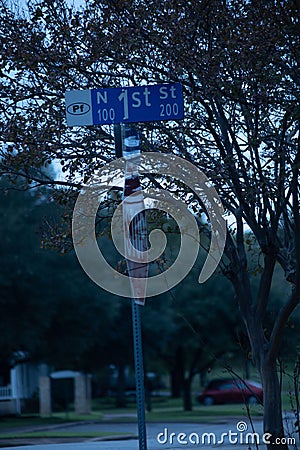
(124, 104)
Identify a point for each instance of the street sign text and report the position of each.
(124, 104)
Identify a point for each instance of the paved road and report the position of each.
(173, 436)
(168, 433)
(120, 445)
(169, 436)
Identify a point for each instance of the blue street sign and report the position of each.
(124, 104)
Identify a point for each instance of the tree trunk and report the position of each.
(148, 393)
(120, 399)
(177, 374)
(176, 386)
(264, 360)
(273, 423)
(203, 378)
(187, 397)
(148, 400)
(248, 367)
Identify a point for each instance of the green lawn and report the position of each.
(24, 421)
(163, 410)
(59, 434)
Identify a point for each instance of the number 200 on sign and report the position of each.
(169, 109)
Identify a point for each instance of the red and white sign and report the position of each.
(135, 234)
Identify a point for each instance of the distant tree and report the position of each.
(206, 331)
(239, 66)
(24, 313)
(49, 309)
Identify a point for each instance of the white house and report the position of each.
(24, 384)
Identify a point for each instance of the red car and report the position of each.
(231, 391)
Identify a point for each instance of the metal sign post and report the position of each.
(139, 373)
(135, 232)
(118, 106)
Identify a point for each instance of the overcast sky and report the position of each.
(19, 4)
